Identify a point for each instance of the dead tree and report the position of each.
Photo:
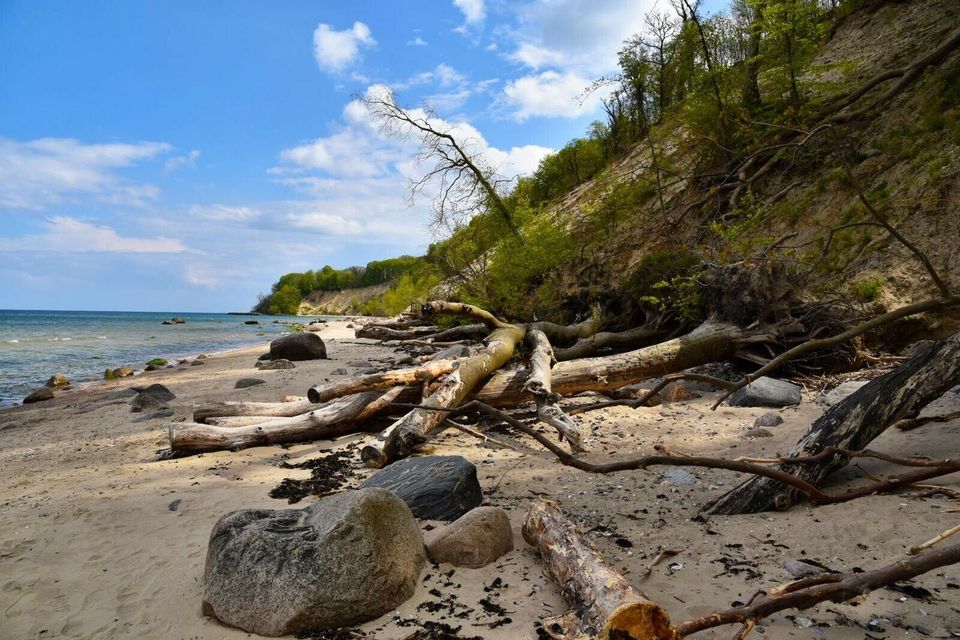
(852, 424)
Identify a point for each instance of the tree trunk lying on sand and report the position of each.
(414, 375)
(330, 420)
(248, 408)
(710, 342)
(632, 338)
(539, 385)
(602, 602)
(852, 424)
(404, 436)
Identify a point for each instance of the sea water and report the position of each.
(82, 344)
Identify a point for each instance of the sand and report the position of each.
(99, 539)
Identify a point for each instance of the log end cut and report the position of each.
(644, 620)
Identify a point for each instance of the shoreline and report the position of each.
(101, 539)
(93, 375)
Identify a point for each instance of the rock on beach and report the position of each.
(348, 558)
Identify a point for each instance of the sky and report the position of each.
(182, 155)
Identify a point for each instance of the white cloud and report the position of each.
(222, 212)
(47, 171)
(569, 43)
(549, 94)
(182, 162)
(334, 51)
(584, 34)
(69, 235)
(473, 10)
(536, 57)
(357, 178)
(417, 42)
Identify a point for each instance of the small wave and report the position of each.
(12, 341)
(101, 337)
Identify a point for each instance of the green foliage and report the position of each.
(413, 287)
(284, 301)
(868, 289)
(667, 281)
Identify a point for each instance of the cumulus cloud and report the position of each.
(549, 94)
(357, 178)
(38, 173)
(334, 51)
(566, 44)
(417, 42)
(69, 235)
(474, 11)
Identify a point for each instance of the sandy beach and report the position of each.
(100, 539)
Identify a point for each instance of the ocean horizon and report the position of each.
(35, 344)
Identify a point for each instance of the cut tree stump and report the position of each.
(602, 602)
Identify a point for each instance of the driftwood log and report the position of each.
(602, 603)
(335, 418)
(248, 408)
(539, 385)
(410, 432)
(852, 424)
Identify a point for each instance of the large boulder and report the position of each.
(58, 380)
(435, 487)
(346, 559)
(298, 346)
(41, 394)
(473, 540)
(766, 392)
(152, 398)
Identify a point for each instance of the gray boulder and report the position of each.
(769, 419)
(41, 394)
(243, 383)
(473, 540)
(152, 398)
(766, 392)
(298, 346)
(276, 364)
(58, 380)
(346, 559)
(434, 487)
(841, 391)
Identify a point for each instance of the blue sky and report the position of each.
(180, 156)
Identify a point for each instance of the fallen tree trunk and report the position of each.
(247, 408)
(414, 375)
(333, 419)
(632, 338)
(603, 604)
(379, 332)
(415, 428)
(539, 385)
(852, 424)
(710, 342)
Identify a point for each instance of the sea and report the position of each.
(82, 344)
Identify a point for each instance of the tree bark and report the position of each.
(379, 332)
(852, 424)
(710, 342)
(414, 375)
(325, 421)
(602, 602)
(539, 385)
(405, 435)
(586, 347)
(246, 408)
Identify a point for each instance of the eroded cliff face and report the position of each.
(905, 155)
(337, 303)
